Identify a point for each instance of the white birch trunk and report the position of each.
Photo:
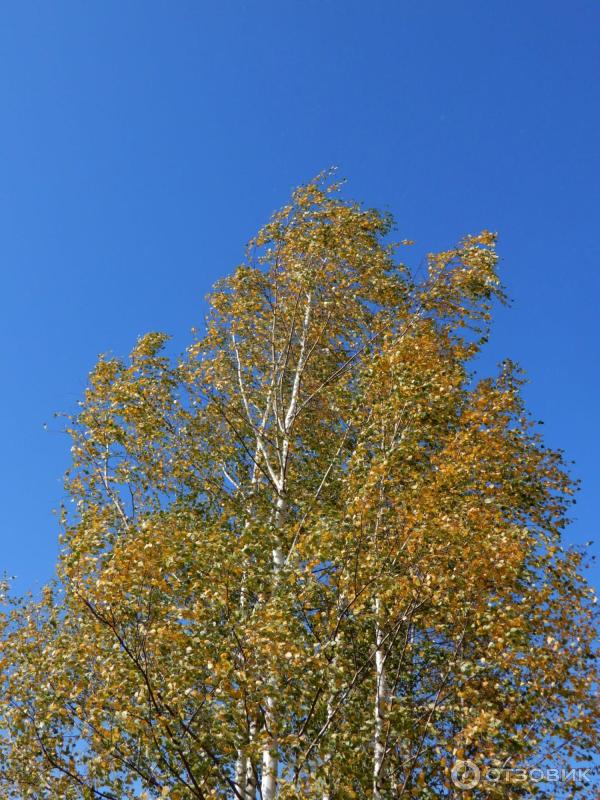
(240, 776)
(242, 761)
(270, 758)
(244, 779)
(250, 774)
(380, 699)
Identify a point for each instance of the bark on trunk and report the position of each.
(250, 773)
(270, 757)
(242, 761)
(240, 776)
(270, 761)
(380, 698)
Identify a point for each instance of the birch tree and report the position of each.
(313, 557)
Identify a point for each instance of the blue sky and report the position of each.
(142, 143)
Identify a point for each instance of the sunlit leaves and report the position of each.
(315, 508)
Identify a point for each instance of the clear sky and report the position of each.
(142, 143)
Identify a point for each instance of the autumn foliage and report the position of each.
(313, 558)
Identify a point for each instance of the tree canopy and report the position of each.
(314, 556)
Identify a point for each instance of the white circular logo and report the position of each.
(465, 774)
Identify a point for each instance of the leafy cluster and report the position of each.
(313, 558)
